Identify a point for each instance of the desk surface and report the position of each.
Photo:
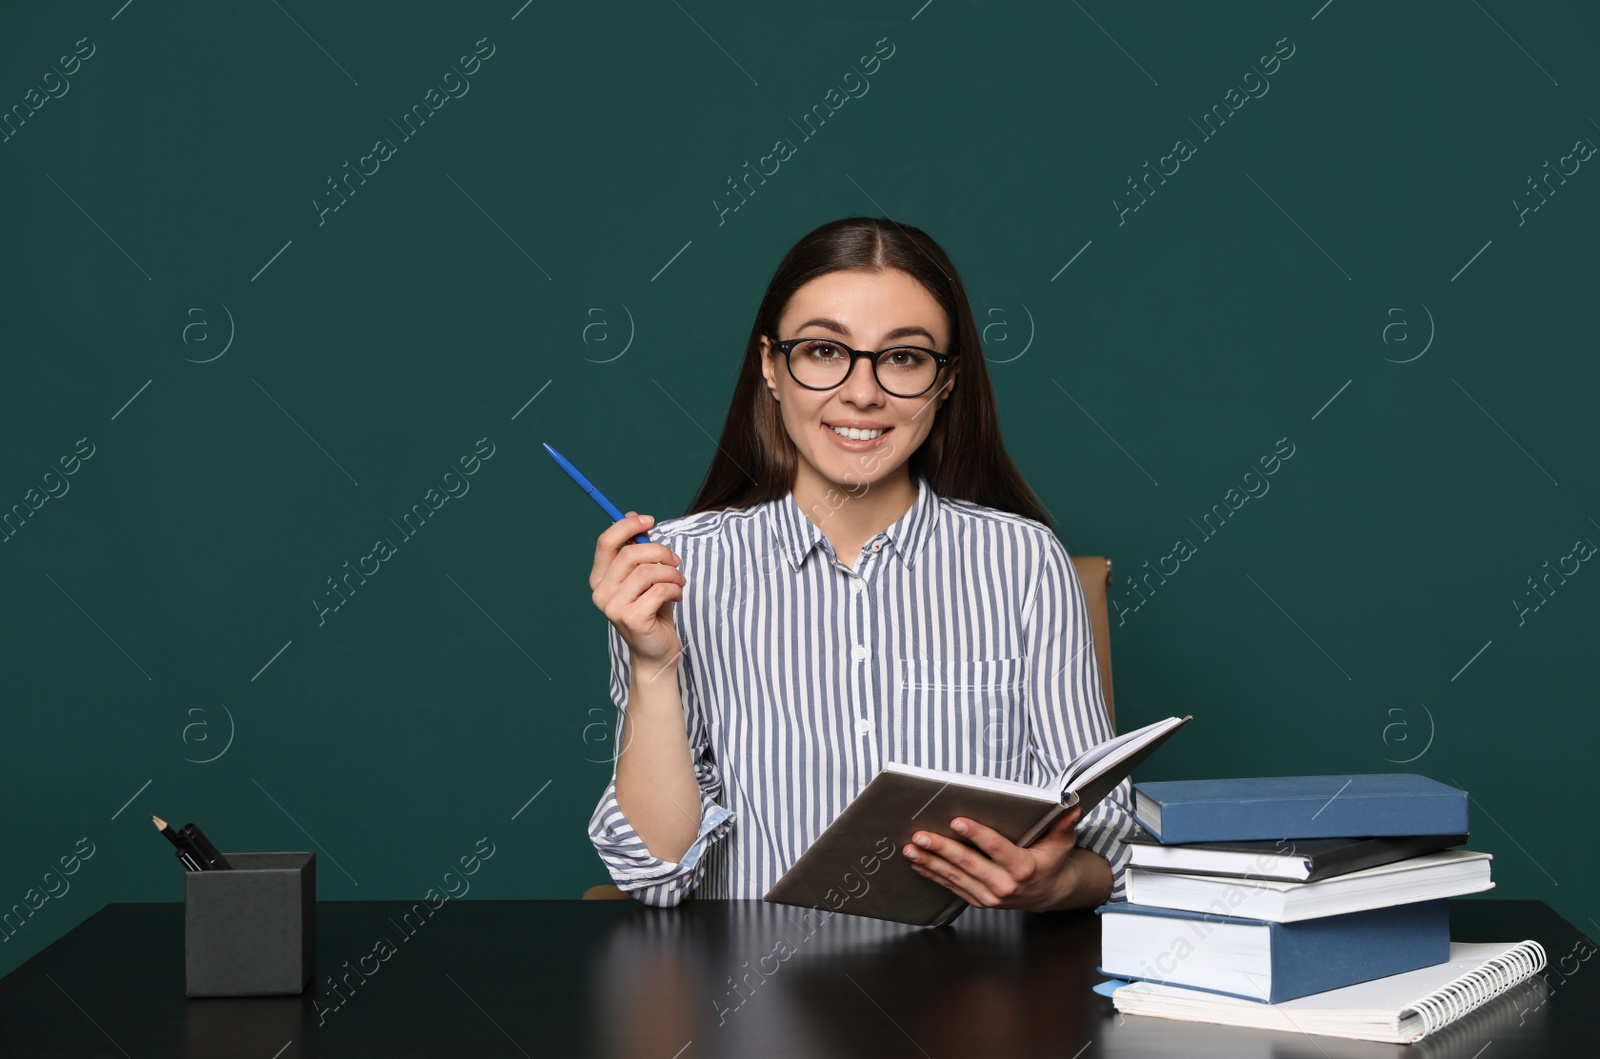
(604, 978)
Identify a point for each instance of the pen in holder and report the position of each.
(250, 930)
(204, 851)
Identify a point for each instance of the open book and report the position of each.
(856, 866)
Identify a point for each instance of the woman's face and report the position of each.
(864, 310)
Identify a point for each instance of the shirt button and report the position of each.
(863, 725)
(857, 585)
(860, 652)
(878, 546)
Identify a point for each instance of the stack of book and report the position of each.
(1248, 894)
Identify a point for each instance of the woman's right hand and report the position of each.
(635, 586)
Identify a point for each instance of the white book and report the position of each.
(1448, 873)
(1399, 1009)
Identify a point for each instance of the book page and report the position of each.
(1098, 758)
(982, 783)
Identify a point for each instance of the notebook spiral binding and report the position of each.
(1478, 986)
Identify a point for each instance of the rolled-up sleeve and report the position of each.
(1066, 706)
(633, 868)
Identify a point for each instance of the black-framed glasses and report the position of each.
(823, 363)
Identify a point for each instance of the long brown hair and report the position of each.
(962, 456)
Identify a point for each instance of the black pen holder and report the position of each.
(251, 930)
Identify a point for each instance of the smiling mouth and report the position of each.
(857, 434)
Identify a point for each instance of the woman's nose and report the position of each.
(861, 382)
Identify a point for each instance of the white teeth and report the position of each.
(857, 435)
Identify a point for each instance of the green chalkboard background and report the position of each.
(265, 384)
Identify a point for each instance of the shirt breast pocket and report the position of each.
(966, 716)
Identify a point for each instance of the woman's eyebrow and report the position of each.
(839, 329)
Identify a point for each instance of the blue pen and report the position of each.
(594, 494)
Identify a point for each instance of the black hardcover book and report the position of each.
(1290, 860)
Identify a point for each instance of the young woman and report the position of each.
(864, 577)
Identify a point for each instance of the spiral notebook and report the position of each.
(1398, 1009)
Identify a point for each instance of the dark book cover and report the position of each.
(856, 866)
(1325, 857)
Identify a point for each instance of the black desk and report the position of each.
(602, 978)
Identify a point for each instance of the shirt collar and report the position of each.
(796, 535)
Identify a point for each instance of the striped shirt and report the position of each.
(960, 641)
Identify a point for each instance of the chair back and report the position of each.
(606, 892)
(1094, 574)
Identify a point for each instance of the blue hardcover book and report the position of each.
(1270, 962)
(1238, 810)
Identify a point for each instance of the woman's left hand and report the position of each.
(999, 873)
